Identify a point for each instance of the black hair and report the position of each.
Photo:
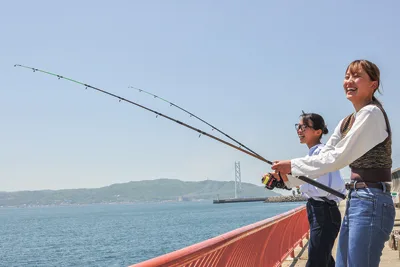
(318, 122)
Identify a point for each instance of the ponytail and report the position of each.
(376, 101)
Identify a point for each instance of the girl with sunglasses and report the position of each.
(322, 208)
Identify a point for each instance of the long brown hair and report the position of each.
(371, 69)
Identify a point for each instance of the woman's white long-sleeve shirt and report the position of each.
(369, 129)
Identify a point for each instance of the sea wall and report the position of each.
(297, 198)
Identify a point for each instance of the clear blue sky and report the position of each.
(248, 67)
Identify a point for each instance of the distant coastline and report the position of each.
(155, 191)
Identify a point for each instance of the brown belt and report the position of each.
(371, 175)
(361, 185)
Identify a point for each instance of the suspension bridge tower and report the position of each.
(238, 180)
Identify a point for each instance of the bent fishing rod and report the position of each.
(303, 178)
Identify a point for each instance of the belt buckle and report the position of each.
(350, 185)
(386, 186)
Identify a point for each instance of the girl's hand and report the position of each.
(282, 166)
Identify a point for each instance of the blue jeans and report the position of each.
(366, 226)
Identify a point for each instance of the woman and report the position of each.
(363, 141)
(322, 208)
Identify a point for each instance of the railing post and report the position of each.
(292, 254)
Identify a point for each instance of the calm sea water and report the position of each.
(117, 235)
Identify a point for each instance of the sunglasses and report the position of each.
(301, 127)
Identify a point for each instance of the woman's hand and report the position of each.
(282, 166)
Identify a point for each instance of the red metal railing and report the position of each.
(264, 243)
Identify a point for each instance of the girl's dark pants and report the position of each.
(325, 220)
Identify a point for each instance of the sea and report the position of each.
(118, 234)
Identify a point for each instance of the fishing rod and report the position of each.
(192, 115)
(303, 178)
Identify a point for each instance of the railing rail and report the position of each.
(264, 243)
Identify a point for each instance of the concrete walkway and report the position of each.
(390, 258)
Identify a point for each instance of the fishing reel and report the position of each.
(271, 182)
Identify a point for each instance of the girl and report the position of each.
(363, 141)
(322, 208)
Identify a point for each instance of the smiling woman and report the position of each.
(363, 141)
(361, 80)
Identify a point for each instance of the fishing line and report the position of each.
(192, 115)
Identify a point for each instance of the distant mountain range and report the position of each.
(135, 191)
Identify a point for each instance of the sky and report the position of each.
(247, 67)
